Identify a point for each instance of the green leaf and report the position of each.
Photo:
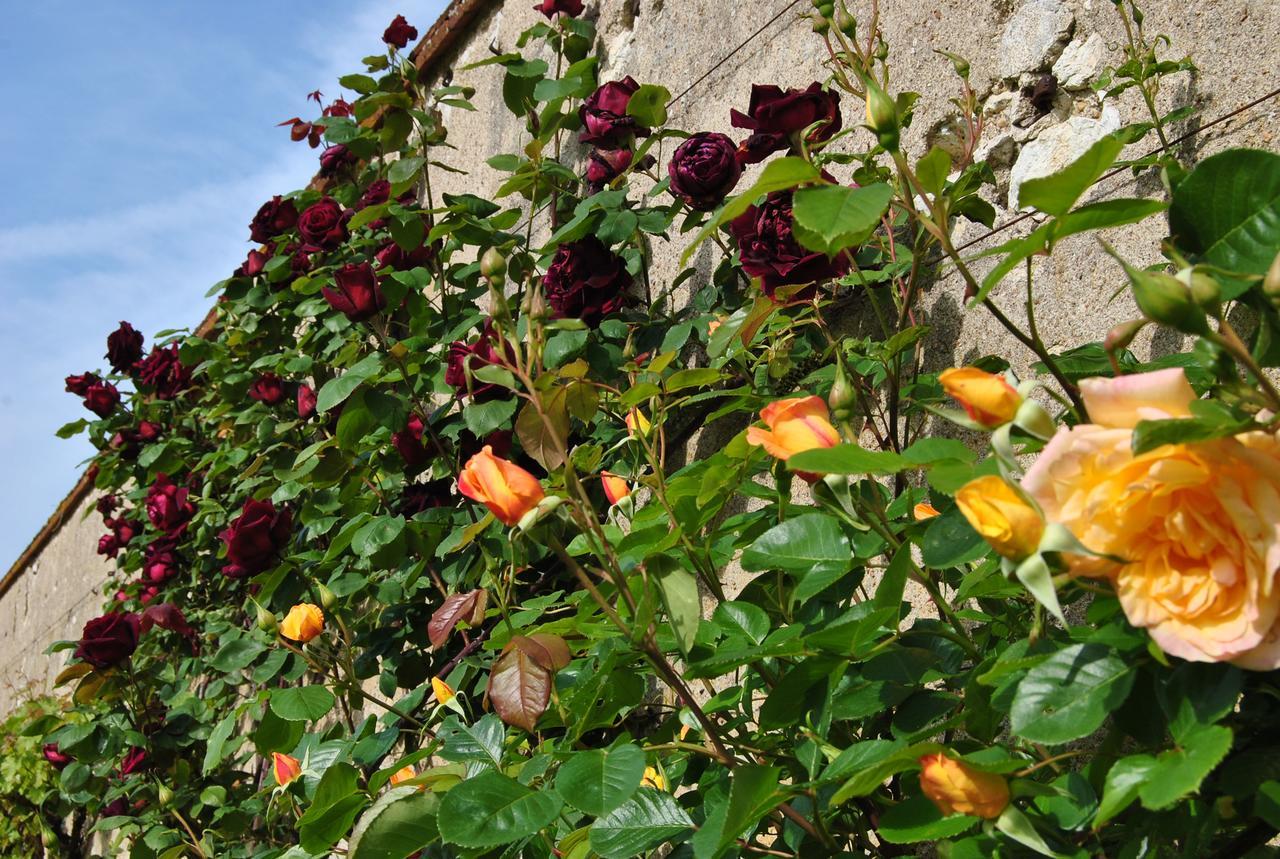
(933, 168)
(893, 583)
(337, 390)
(1070, 694)
(830, 218)
(918, 819)
(1106, 213)
(1179, 772)
(484, 418)
(1056, 194)
(950, 541)
(333, 809)
(405, 168)
(693, 377)
(236, 654)
(753, 793)
(810, 545)
(1227, 211)
(648, 105)
(679, 596)
(399, 824)
(1125, 778)
(564, 346)
(646, 820)
(362, 84)
(492, 809)
(302, 703)
(1019, 827)
(1266, 803)
(847, 459)
(1198, 694)
(215, 746)
(375, 534)
(1149, 435)
(600, 780)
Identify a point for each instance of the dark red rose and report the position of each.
(115, 808)
(274, 217)
(408, 442)
(322, 226)
(465, 358)
(255, 262)
(770, 252)
(108, 545)
(169, 506)
(704, 169)
(147, 593)
(135, 760)
(79, 385)
(110, 639)
(106, 504)
(101, 398)
(334, 158)
(268, 389)
(776, 116)
(306, 402)
(164, 373)
(255, 538)
(586, 281)
(166, 615)
(55, 757)
(126, 443)
(124, 347)
(498, 440)
(377, 192)
(148, 432)
(355, 292)
(605, 165)
(551, 8)
(418, 497)
(390, 255)
(604, 115)
(399, 32)
(339, 108)
(124, 530)
(160, 561)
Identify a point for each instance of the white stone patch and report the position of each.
(1034, 37)
(1080, 62)
(1057, 147)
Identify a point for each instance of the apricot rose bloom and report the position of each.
(615, 487)
(303, 623)
(794, 425)
(1002, 516)
(957, 788)
(1198, 524)
(504, 487)
(285, 768)
(986, 398)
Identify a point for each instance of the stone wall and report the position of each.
(1010, 43)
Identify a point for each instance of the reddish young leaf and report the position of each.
(455, 609)
(519, 687)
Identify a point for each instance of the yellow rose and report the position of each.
(403, 774)
(443, 692)
(986, 398)
(924, 510)
(1002, 516)
(653, 778)
(957, 788)
(1198, 524)
(637, 423)
(303, 623)
(504, 487)
(795, 425)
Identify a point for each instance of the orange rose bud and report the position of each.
(504, 487)
(637, 423)
(615, 488)
(923, 511)
(444, 694)
(1002, 516)
(303, 623)
(403, 774)
(987, 398)
(285, 768)
(795, 425)
(957, 788)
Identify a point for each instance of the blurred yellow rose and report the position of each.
(1002, 516)
(986, 398)
(957, 788)
(1198, 523)
(796, 424)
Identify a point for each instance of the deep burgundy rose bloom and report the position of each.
(268, 389)
(124, 529)
(399, 33)
(465, 358)
(255, 262)
(604, 115)
(110, 639)
(164, 373)
(418, 497)
(306, 402)
(275, 216)
(704, 170)
(408, 442)
(255, 538)
(148, 432)
(391, 255)
(147, 593)
(135, 760)
(377, 192)
(126, 442)
(169, 506)
(108, 545)
(101, 398)
(124, 347)
(770, 252)
(775, 115)
(355, 292)
(166, 615)
(106, 504)
(551, 8)
(334, 158)
(160, 561)
(115, 808)
(55, 756)
(79, 385)
(586, 281)
(322, 226)
(605, 165)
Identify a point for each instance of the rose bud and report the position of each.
(465, 358)
(615, 487)
(134, 761)
(504, 487)
(605, 165)
(378, 192)
(769, 250)
(306, 402)
(255, 538)
(125, 530)
(987, 399)
(777, 117)
(285, 768)
(391, 255)
(160, 561)
(403, 775)
(108, 545)
(164, 373)
(124, 347)
(268, 389)
(551, 8)
(303, 623)
(106, 504)
(102, 399)
(148, 432)
(1002, 516)
(586, 281)
(408, 442)
(443, 691)
(80, 385)
(168, 505)
(255, 262)
(55, 757)
(339, 107)
(605, 122)
(399, 32)
(275, 217)
(957, 788)
(334, 158)
(109, 640)
(796, 424)
(923, 511)
(355, 292)
(323, 225)
(703, 170)
(654, 779)
(637, 424)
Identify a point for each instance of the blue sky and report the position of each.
(139, 140)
